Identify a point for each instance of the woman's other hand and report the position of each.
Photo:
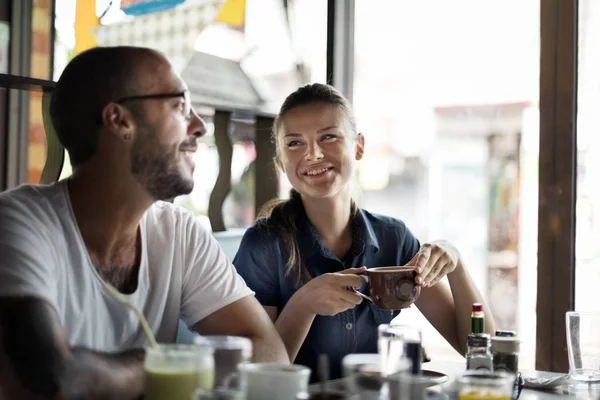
(434, 261)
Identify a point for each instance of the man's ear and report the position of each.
(360, 146)
(118, 120)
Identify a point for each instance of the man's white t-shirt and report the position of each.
(183, 271)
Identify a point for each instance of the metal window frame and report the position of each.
(5, 11)
(52, 39)
(340, 46)
(18, 100)
(20, 84)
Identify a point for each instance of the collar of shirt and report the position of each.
(310, 242)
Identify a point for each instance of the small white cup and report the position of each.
(262, 381)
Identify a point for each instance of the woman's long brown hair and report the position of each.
(282, 214)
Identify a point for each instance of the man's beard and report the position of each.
(157, 168)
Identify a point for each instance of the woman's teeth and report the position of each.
(317, 171)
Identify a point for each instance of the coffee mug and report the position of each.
(392, 288)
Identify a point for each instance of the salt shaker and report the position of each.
(479, 356)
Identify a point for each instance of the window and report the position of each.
(446, 97)
(587, 267)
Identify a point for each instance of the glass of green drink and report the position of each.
(176, 371)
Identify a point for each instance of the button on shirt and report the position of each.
(377, 241)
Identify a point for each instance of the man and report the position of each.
(126, 120)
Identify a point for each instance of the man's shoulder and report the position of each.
(32, 191)
(32, 199)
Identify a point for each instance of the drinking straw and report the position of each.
(123, 300)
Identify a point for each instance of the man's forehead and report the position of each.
(158, 75)
(163, 83)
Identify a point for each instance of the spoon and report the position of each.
(364, 296)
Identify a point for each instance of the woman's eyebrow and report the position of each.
(292, 134)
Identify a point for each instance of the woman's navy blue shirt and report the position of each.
(377, 241)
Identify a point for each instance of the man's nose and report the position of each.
(197, 125)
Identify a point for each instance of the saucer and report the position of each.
(436, 378)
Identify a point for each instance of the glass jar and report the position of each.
(177, 371)
(397, 342)
(505, 352)
(229, 353)
(479, 355)
(484, 385)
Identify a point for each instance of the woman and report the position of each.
(303, 254)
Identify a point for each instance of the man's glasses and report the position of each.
(152, 96)
(187, 106)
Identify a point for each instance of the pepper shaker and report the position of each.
(505, 351)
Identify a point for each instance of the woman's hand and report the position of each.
(328, 294)
(434, 261)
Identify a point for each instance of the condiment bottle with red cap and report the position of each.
(477, 318)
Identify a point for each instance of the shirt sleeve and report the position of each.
(258, 262)
(210, 281)
(27, 259)
(409, 244)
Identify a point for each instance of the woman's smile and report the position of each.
(319, 176)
